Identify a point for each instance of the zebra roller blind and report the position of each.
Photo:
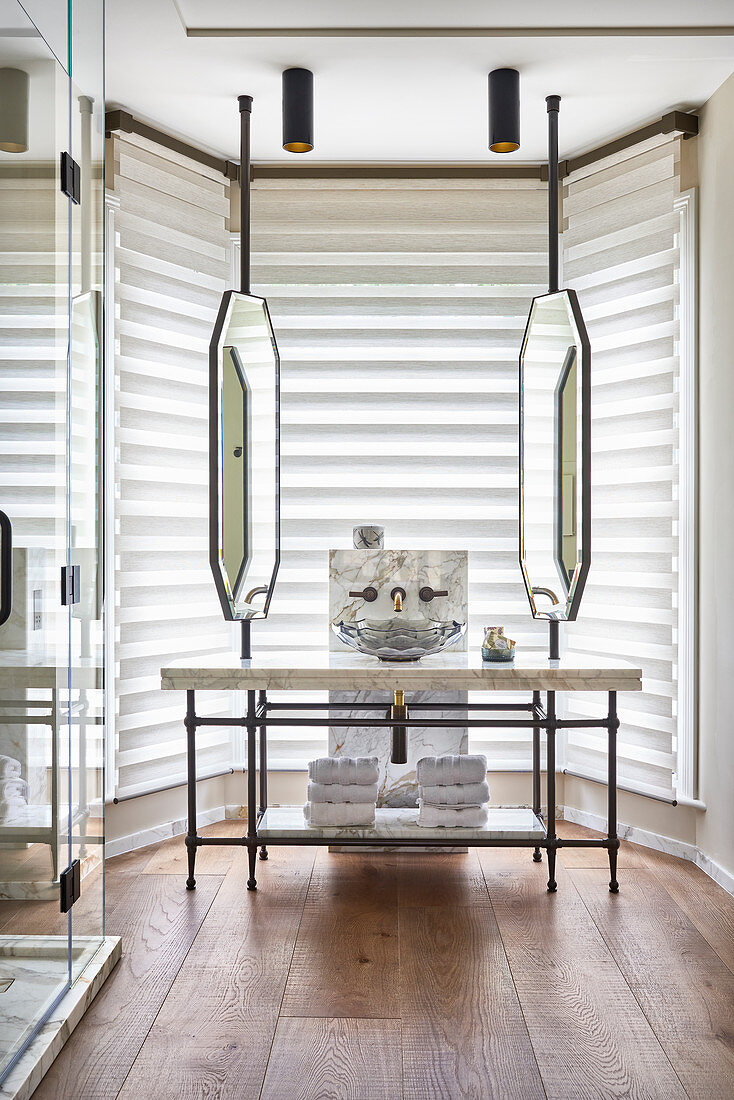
(621, 254)
(399, 307)
(172, 264)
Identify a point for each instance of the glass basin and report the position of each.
(398, 639)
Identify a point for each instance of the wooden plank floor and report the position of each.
(383, 977)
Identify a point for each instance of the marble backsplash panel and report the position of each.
(354, 570)
(384, 570)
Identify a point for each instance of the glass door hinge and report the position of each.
(71, 180)
(71, 885)
(70, 584)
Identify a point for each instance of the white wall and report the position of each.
(716, 455)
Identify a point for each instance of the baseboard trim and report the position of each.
(157, 833)
(644, 837)
(659, 843)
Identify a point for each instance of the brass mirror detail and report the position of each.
(555, 456)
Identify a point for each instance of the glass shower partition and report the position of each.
(51, 710)
(86, 485)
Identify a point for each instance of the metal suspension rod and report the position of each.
(245, 102)
(553, 103)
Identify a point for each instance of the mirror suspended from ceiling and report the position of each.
(555, 437)
(244, 405)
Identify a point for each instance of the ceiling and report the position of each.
(410, 99)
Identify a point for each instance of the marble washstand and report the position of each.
(530, 676)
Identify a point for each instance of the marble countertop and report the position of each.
(321, 670)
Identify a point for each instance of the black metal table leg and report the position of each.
(551, 838)
(263, 702)
(612, 726)
(251, 790)
(537, 856)
(191, 838)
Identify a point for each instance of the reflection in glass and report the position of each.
(555, 527)
(235, 458)
(244, 512)
(565, 464)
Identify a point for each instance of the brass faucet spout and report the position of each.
(398, 595)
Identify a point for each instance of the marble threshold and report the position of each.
(401, 823)
(26, 1075)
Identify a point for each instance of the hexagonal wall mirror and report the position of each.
(244, 401)
(555, 456)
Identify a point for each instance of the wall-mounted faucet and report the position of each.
(369, 594)
(398, 595)
(427, 593)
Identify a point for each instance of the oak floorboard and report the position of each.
(683, 987)
(463, 1029)
(213, 1034)
(427, 879)
(346, 957)
(589, 1034)
(705, 903)
(158, 921)
(334, 1059)
(283, 878)
(171, 858)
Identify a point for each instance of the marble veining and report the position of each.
(26, 1075)
(318, 670)
(401, 823)
(353, 570)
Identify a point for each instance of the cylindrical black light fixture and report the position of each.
(298, 110)
(504, 110)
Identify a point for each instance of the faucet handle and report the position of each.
(427, 593)
(369, 594)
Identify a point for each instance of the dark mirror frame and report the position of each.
(584, 368)
(215, 533)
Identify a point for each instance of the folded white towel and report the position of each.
(452, 817)
(9, 766)
(456, 794)
(339, 813)
(342, 792)
(434, 771)
(14, 788)
(344, 769)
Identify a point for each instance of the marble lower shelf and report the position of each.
(401, 823)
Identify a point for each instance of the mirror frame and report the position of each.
(575, 592)
(228, 603)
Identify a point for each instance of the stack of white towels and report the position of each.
(342, 790)
(13, 789)
(452, 791)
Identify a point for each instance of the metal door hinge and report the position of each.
(71, 885)
(71, 180)
(70, 584)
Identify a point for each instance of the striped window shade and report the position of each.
(621, 254)
(171, 257)
(399, 307)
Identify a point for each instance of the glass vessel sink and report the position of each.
(398, 639)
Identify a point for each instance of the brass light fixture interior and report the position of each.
(504, 110)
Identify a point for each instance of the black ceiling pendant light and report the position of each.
(298, 110)
(504, 110)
